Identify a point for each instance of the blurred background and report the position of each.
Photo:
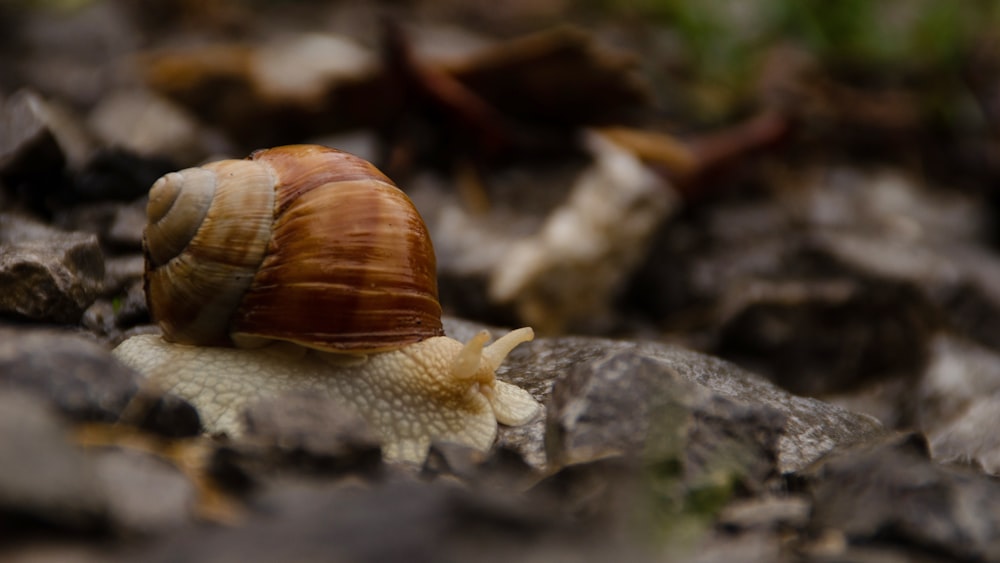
(804, 187)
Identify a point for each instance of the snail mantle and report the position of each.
(304, 268)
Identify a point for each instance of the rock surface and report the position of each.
(891, 490)
(48, 275)
(45, 482)
(810, 429)
(81, 379)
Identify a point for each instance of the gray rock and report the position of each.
(402, 521)
(767, 513)
(120, 272)
(306, 433)
(37, 139)
(132, 309)
(75, 374)
(99, 319)
(959, 403)
(629, 404)
(162, 413)
(837, 285)
(117, 225)
(145, 494)
(148, 124)
(80, 378)
(890, 490)
(817, 335)
(47, 275)
(45, 482)
(811, 428)
(501, 469)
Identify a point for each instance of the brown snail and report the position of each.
(304, 267)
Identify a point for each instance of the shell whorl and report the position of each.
(300, 243)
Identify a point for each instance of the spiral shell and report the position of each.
(300, 243)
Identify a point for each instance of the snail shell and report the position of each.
(346, 249)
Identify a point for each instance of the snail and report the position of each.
(304, 267)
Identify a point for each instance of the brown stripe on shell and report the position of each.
(350, 267)
(304, 167)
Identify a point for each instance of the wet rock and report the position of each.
(45, 482)
(890, 493)
(49, 275)
(146, 495)
(82, 380)
(811, 428)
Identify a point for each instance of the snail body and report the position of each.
(305, 268)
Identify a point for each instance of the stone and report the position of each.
(959, 403)
(48, 275)
(117, 225)
(45, 481)
(309, 433)
(145, 495)
(820, 336)
(632, 405)
(767, 513)
(501, 469)
(890, 491)
(149, 125)
(77, 375)
(811, 427)
(834, 287)
(121, 272)
(99, 319)
(161, 413)
(132, 308)
(399, 521)
(115, 173)
(38, 139)
(81, 379)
